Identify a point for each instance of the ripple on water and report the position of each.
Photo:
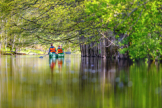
(144, 80)
(130, 83)
(48, 81)
(90, 70)
(158, 90)
(59, 82)
(74, 80)
(56, 100)
(85, 70)
(84, 77)
(93, 80)
(117, 79)
(24, 79)
(57, 71)
(72, 72)
(99, 70)
(40, 82)
(18, 103)
(93, 71)
(121, 85)
(112, 70)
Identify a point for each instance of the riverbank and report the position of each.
(23, 51)
(30, 51)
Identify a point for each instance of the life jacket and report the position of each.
(60, 50)
(52, 50)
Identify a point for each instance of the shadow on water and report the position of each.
(122, 83)
(75, 82)
(102, 69)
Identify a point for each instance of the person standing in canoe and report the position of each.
(60, 50)
(52, 49)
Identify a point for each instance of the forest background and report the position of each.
(34, 24)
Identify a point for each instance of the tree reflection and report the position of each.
(25, 81)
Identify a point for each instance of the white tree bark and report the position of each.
(6, 37)
(13, 43)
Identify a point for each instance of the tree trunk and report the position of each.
(15, 50)
(6, 37)
(13, 43)
(87, 50)
(92, 49)
(99, 50)
(82, 50)
(19, 43)
(103, 48)
(1, 31)
(6, 40)
(0, 48)
(95, 51)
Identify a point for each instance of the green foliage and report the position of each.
(141, 20)
(28, 22)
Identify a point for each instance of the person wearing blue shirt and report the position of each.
(52, 49)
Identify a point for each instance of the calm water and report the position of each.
(75, 82)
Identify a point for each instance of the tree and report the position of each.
(44, 22)
(139, 19)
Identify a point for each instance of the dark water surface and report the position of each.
(75, 82)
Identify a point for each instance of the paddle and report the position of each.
(43, 56)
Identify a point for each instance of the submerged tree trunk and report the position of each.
(87, 50)
(95, 50)
(82, 50)
(103, 48)
(99, 50)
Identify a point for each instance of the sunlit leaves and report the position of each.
(139, 18)
(62, 20)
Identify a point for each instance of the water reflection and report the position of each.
(71, 82)
(102, 69)
(60, 63)
(52, 63)
(102, 77)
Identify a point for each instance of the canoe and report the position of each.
(61, 55)
(53, 55)
(67, 52)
